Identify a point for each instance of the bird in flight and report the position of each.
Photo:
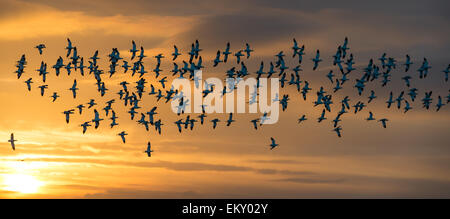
(68, 113)
(40, 47)
(85, 126)
(175, 54)
(273, 144)
(226, 53)
(370, 118)
(43, 87)
(122, 135)
(29, 82)
(12, 140)
(54, 96)
(135, 64)
(215, 121)
(133, 50)
(149, 150)
(248, 50)
(383, 122)
(74, 89)
(69, 47)
(255, 123)
(408, 63)
(338, 131)
(230, 119)
(322, 116)
(96, 119)
(316, 60)
(303, 118)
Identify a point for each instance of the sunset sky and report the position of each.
(410, 158)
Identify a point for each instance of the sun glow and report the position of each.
(21, 183)
(21, 177)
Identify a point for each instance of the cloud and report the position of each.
(325, 187)
(144, 7)
(279, 161)
(11, 8)
(46, 22)
(409, 147)
(115, 193)
(91, 149)
(386, 186)
(313, 180)
(198, 7)
(169, 165)
(255, 26)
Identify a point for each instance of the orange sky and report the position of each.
(55, 160)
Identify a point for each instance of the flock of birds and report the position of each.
(342, 59)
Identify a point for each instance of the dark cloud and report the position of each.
(313, 181)
(362, 187)
(86, 42)
(283, 172)
(176, 166)
(141, 7)
(256, 27)
(198, 7)
(398, 28)
(382, 6)
(279, 161)
(11, 8)
(142, 194)
(389, 187)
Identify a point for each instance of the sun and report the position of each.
(21, 183)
